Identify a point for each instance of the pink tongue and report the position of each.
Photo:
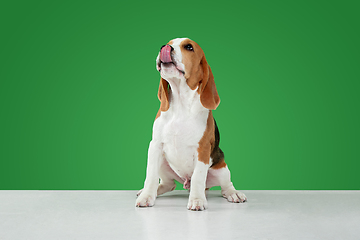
(165, 56)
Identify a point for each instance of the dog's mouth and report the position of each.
(161, 65)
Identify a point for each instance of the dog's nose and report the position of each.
(165, 53)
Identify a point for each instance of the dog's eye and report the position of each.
(189, 47)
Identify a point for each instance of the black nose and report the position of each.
(172, 49)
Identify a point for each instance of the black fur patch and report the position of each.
(217, 154)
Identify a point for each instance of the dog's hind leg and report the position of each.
(219, 175)
(167, 177)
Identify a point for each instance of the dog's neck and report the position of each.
(182, 99)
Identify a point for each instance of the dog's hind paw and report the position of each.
(234, 196)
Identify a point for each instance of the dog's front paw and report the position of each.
(145, 200)
(234, 196)
(197, 204)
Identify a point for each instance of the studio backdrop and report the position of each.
(78, 90)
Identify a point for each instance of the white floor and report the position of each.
(112, 215)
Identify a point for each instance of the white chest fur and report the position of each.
(181, 127)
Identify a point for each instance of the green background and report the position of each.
(78, 90)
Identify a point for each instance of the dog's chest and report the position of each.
(180, 136)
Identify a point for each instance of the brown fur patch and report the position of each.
(198, 74)
(163, 95)
(209, 96)
(207, 142)
(192, 61)
(219, 165)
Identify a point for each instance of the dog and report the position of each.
(185, 138)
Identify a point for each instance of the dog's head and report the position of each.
(183, 59)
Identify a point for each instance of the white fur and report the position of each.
(176, 134)
(177, 56)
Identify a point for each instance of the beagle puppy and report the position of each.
(185, 138)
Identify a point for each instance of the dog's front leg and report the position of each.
(197, 198)
(149, 192)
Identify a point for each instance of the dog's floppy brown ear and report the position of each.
(209, 96)
(163, 95)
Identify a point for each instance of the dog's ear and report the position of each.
(163, 95)
(209, 96)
